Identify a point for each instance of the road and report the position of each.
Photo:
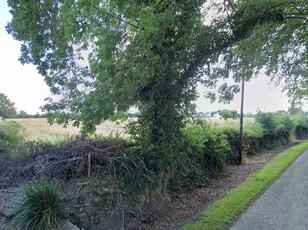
(284, 205)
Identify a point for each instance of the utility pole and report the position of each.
(240, 139)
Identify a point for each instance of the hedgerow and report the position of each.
(301, 130)
(209, 146)
(204, 153)
(204, 149)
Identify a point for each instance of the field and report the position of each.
(39, 129)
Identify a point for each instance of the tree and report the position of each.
(278, 48)
(7, 109)
(100, 58)
(295, 107)
(23, 114)
(225, 114)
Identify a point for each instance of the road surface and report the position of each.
(284, 205)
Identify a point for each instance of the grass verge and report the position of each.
(225, 211)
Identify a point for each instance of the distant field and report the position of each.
(222, 121)
(39, 129)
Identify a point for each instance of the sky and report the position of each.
(27, 89)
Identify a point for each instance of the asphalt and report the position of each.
(284, 205)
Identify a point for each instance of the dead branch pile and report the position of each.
(80, 157)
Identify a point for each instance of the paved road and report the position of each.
(284, 206)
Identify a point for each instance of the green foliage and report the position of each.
(216, 150)
(132, 173)
(287, 125)
(302, 127)
(231, 131)
(278, 129)
(267, 120)
(207, 149)
(280, 31)
(211, 143)
(120, 116)
(7, 108)
(225, 114)
(38, 207)
(11, 138)
(190, 171)
(253, 133)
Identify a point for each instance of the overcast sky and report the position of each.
(27, 89)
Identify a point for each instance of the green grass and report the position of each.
(225, 211)
(38, 207)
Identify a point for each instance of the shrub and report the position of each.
(215, 153)
(210, 143)
(267, 121)
(37, 208)
(131, 172)
(231, 131)
(301, 130)
(253, 133)
(189, 171)
(278, 129)
(11, 137)
(286, 128)
(204, 153)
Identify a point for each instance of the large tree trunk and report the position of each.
(161, 140)
(156, 196)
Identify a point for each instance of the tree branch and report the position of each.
(296, 17)
(116, 17)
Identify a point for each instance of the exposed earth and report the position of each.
(185, 206)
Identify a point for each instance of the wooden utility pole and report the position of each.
(240, 139)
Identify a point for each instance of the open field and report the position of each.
(39, 129)
(222, 121)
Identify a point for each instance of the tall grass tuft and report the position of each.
(37, 208)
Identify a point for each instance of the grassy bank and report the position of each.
(225, 211)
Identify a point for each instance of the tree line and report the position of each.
(8, 110)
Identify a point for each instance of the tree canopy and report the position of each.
(225, 114)
(7, 108)
(277, 48)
